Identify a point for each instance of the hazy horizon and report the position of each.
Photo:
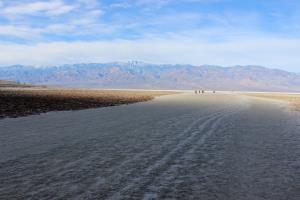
(214, 32)
(147, 63)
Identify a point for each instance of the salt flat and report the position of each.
(184, 146)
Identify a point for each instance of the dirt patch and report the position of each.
(21, 102)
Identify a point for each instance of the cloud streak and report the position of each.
(273, 52)
(51, 8)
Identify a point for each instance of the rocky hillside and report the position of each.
(151, 76)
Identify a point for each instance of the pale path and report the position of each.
(212, 146)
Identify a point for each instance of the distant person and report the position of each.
(214, 91)
(195, 91)
(203, 91)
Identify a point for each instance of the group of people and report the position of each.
(202, 91)
(199, 91)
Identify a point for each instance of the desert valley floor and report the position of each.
(182, 146)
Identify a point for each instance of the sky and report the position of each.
(214, 32)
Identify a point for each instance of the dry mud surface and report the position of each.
(187, 146)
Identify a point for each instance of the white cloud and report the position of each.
(52, 8)
(271, 52)
(24, 32)
(23, 22)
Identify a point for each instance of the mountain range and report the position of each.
(139, 75)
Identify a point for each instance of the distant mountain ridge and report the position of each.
(138, 75)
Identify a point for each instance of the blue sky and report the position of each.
(220, 32)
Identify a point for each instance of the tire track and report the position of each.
(156, 169)
(159, 183)
(129, 170)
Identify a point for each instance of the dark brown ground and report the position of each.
(27, 101)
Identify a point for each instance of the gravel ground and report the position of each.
(212, 146)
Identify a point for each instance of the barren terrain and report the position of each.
(184, 146)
